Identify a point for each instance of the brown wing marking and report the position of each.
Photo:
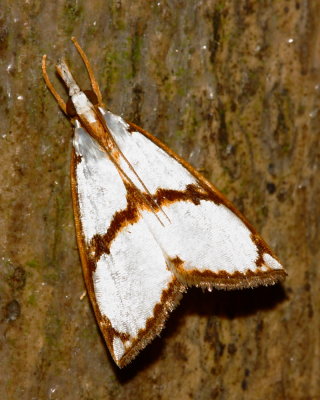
(208, 279)
(136, 203)
(101, 243)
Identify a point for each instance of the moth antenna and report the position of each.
(55, 94)
(94, 83)
(151, 202)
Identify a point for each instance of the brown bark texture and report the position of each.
(234, 87)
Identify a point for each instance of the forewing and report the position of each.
(130, 286)
(206, 241)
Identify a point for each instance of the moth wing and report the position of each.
(205, 239)
(126, 274)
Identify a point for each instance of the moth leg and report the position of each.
(94, 83)
(55, 94)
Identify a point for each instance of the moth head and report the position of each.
(78, 103)
(82, 104)
(91, 96)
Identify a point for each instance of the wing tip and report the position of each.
(154, 325)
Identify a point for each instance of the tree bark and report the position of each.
(234, 87)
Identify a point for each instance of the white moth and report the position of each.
(148, 225)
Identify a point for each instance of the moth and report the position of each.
(147, 224)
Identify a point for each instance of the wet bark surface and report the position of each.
(234, 87)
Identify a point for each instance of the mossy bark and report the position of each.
(234, 87)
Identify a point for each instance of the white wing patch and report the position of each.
(208, 237)
(129, 302)
(271, 262)
(156, 168)
(118, 348)
(101, 191)
(129, 282)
